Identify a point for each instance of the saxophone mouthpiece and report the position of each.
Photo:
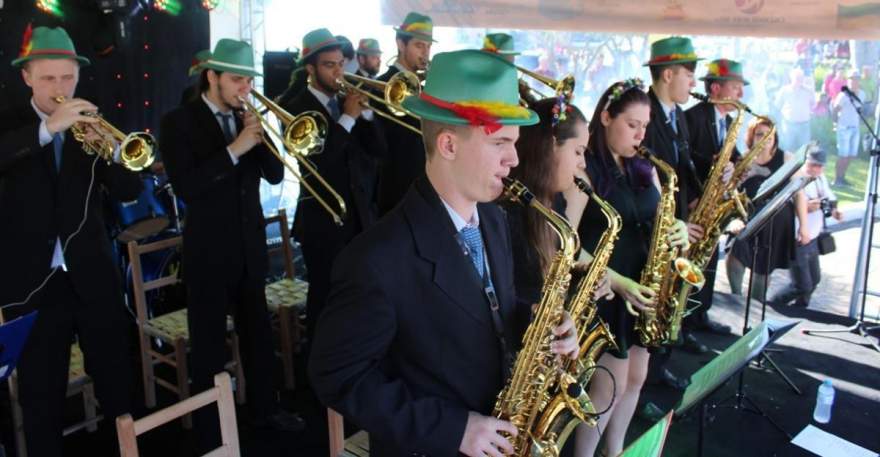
(583, 186)
(700, 97)
(517, 191)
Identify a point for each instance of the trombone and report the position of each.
(136, 148)
(401, 85)
(562, 87)
(302, 136)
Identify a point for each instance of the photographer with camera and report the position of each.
(812, 205)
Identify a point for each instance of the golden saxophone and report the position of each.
(594, 336)
(538, 376)
(720, 199)
(664, 268)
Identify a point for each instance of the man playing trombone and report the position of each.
(405, 160)
(215, 161)
(56, 259)
(348, 163)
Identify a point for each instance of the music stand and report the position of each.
(13, 335)
(651, 443)
(763, 218)
(715, 374)
(782, 176)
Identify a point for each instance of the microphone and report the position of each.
(851, 94)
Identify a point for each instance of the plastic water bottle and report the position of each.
(824, 400)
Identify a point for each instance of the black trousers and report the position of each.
(209, 300)
(103, 332)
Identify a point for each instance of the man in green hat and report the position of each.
(672, 65)
(215, 160)
(500, 44)
(57, 260)
(707, 126)
(423, 321)
(369, 57)
(414, 39)
(348, 162)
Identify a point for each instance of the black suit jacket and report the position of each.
(406, 346)
(38, 204)
(661, 138)
(349, 162)
(406, 157)
(704, 137)
(224, 231)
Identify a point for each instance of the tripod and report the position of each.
(860, 289)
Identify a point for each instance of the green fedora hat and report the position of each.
(417, 26)
(672, 50)
(499, 43)
(232, 56)
(369, 47)
(471, 87)
(724, 70)
(197, 61)
(46, 43)
(317, 40)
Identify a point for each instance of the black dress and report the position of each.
(782, 246)
(637, 206)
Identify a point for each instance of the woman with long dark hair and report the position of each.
(630, 184)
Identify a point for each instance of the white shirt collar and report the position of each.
(214, 109)
(459, 221)
(43, 116)
(399, 66)
(322, 97)
(667, 109)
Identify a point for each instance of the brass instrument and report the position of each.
(720, 199)
(562, 87)
(538, 376)
(401, 85)
(664, 268)
(302, 136)
(594, 336)
(136, 148)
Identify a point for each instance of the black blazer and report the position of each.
(37, 205)
(406, 157)
(704, 137)
(349, 162)
(406, 346)
(224, 231)
(661, 138)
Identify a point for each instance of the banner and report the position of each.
(822, 19)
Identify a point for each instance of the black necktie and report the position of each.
(227, 130)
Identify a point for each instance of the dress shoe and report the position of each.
(693, 345)
(281, 421)
(651, 412)
(713, 327)
(669, 379)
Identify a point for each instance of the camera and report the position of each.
(828, 206)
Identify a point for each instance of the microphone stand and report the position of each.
(860, 289)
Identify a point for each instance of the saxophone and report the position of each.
(720, 199)
(538, 376)
(593, 337)
(664, 268)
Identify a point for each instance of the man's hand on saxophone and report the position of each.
(692, 234)
(566, 343)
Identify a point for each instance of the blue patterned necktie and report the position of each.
(722, 130)
(333, 107)
(474, 241)
(674, 129)
(57, 145)
(224, 123)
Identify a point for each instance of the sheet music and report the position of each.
(825, 444)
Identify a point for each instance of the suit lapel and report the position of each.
(497, 251)
(434, 236)
(713, 125)
(208, 123)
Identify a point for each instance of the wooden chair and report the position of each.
(358, 445)
(170, 328)
(128, 429)
(78, 382)
(286, 301)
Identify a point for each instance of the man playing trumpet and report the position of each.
(57, 258)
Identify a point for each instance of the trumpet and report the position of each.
(562, 87)
(136, 148)
(302, 136)
(400, 86)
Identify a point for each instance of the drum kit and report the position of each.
(155, 215)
